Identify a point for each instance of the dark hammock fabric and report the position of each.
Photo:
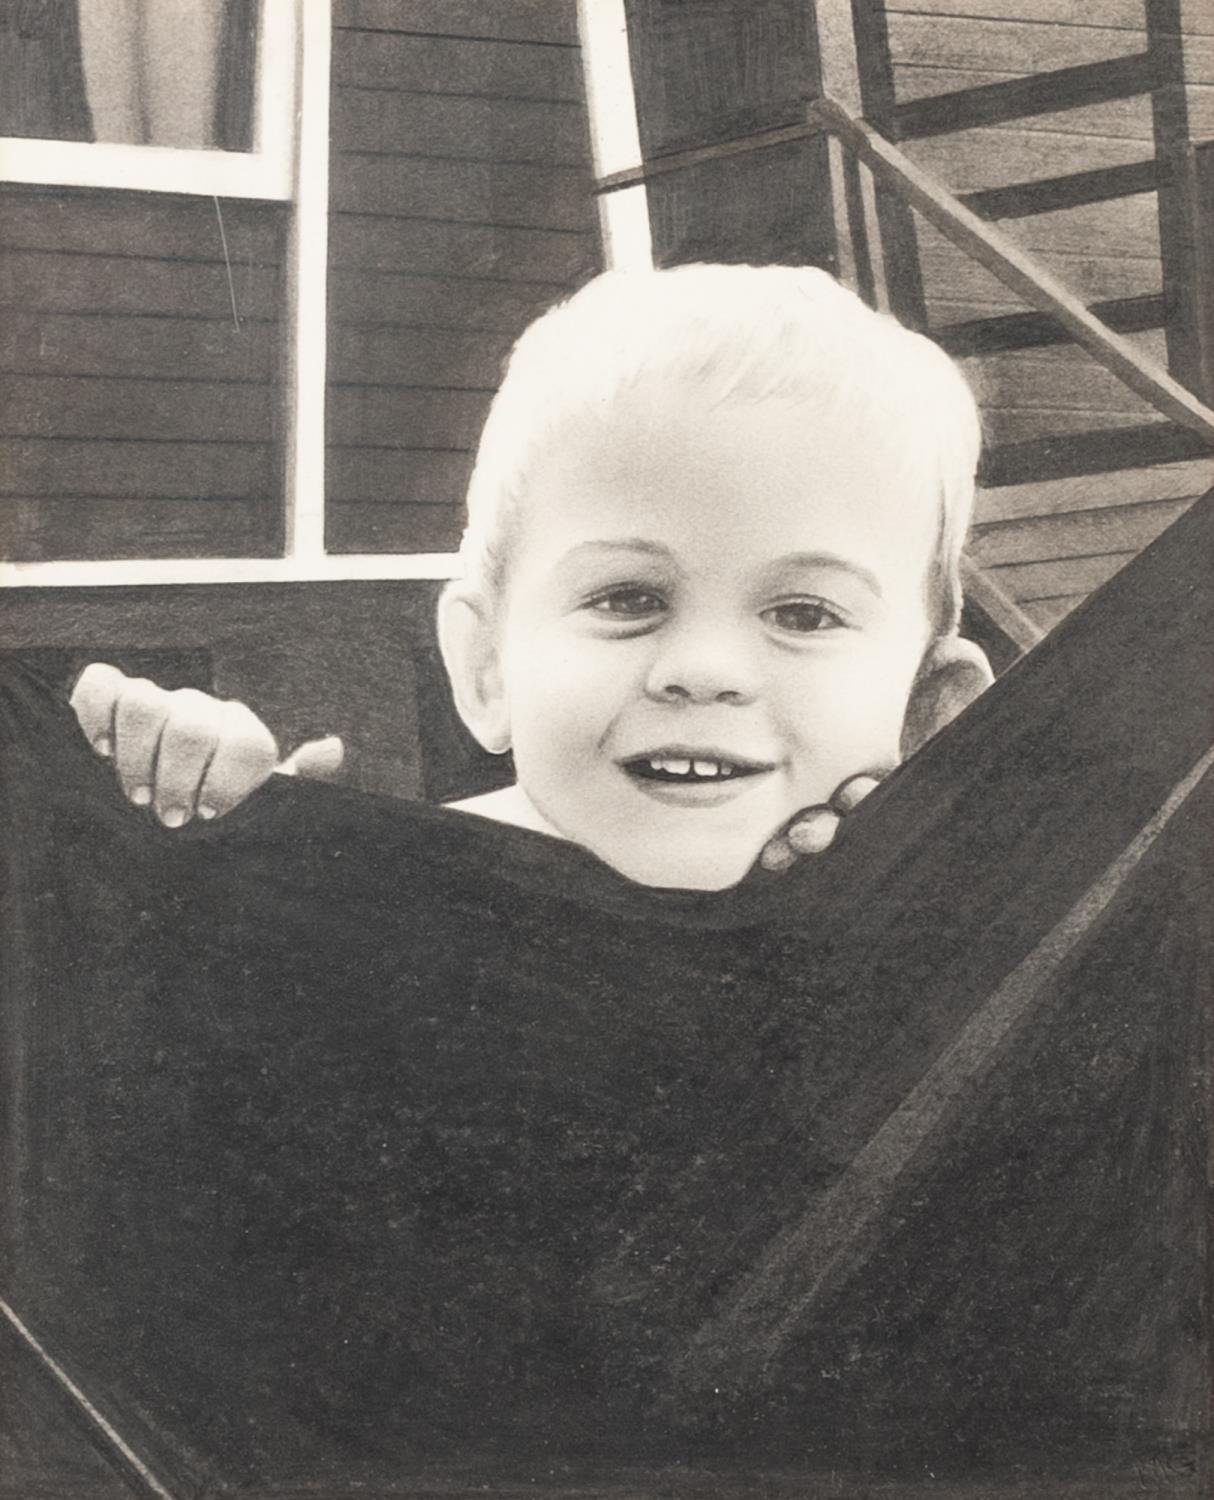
(351, 1136)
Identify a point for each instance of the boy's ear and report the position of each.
(468, 642)
(953, 673)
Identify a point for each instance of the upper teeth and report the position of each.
(679, 766)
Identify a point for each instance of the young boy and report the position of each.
(711, 576)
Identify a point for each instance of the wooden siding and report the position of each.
(461, 207)
(139, 376)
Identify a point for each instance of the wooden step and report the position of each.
(1096, 452)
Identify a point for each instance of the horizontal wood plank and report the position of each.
(1118, 226)
(442, 65)
(57, 467)
(360, 527)
(449, 125)
(366, 416)
(914, 81)
(551, 21)
(361, 241)
(1139, 317)
(1095, 491)
(998, 156)
(377, 356)
(33, 530)
(481, 192)
(1097, 452)
(960, 41)
(183, 410)
(1125, 119)
(1093, 277)
(1061, 378)
(1069, 575)
(1050, 612)
(1071, 98)
(143, 224)
(388, 298)
(398, 476)
(1018, 423)
(46, 282)
(1116, 13)
(73, 344)
(1108, 529)
(1071, 190)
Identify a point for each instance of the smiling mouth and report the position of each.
(679, 768)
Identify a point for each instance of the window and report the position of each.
(88, 86)
(388, 249)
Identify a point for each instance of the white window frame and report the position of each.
(266, 172)
(290, 163)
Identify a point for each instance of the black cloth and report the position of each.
(355, 1136)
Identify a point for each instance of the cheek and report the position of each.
(562, 685)
(858, 706)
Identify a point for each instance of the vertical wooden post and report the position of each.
(1199, 200)
(1169, 110)
(896, 238)
(854, 64)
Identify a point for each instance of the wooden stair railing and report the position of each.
(1017, 270)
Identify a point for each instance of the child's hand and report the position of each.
(813, 830)
(184, 753)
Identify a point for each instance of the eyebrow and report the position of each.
(832, 561)
(622, 544)
(787, 563)
(583, 556)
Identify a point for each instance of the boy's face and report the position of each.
(711, 620)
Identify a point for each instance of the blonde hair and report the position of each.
(730, 334)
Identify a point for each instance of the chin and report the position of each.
(707, 869)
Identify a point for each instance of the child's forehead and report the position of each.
(761, 490)
(654, 432)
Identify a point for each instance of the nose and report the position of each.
(702, 665)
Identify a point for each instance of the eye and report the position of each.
(627, 602)
(803, 616)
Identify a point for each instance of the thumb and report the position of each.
(318, 759)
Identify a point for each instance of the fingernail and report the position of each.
(174, 817)
(205, 812)
(777, 856)
(141, 796)
(814, 832)
(103, 746)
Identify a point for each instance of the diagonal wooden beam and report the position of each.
(1019, 98)
(678, 161)
(1017, 270)
(1000, 608)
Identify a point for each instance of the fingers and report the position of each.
(777, 854)
(181, 753)
(94, 699)
(245, 756)
(850, 795)
(813, 829)
(139, 720)
(317, 759)
(192, 727)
